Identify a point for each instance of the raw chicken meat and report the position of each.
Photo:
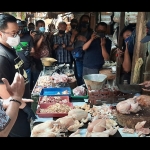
(143, 100)
(79, 91)
(79, 114)
(76, 134)
(140, 125)
(58, 78)
(128, 106)
(128, 130)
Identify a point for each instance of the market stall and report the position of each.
(65, 111)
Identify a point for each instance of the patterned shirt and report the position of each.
(62, 55)
(4, 119)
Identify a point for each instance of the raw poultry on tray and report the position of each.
(52, 99)
(79, 91)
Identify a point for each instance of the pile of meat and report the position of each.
(37, 89)
(44, 81)
(56, 108)
(75, 119)
(60, 78)
(128, 106)
(53, 99)
(139, 129)
(79, 91)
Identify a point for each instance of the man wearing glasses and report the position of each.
(10, 63)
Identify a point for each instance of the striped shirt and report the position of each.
(62, 55)
(4, 119)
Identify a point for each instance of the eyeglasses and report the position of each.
(13, 35)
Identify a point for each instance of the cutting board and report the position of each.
(108, 73)
(130, 120)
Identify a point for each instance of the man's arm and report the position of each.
(104, 49)
(127, 61)
(17, 90)
(88, 43)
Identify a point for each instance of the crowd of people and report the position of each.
(23, 45)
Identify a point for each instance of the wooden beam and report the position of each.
(120, 40)
(139, 48)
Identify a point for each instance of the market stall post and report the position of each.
(140, 49)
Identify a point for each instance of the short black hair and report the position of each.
(31, 24)
(101, 24)
(62, 22)
(127, 28)
(39, 21)
(4, 19)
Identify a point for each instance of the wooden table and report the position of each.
(108, 73)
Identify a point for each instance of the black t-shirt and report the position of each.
(93, 57)
(24, 48)
(10, 63)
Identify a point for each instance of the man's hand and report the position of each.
(74, 32)
(93, 36)
(63, 46)
(119, 52)
(16, 89)
(55, 46)
(32, 33)
(147, 86)
(143, 100)
(103, 41)
(6, 102)
(30, 113)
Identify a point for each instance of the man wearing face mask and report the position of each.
(10, 63)
(25, 48)
(73, 33)
(97, 50)
(42, 47)
(84, 34)
(126, 54)
(61, 42)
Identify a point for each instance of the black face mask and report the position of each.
(101, 34)
(84, 24)
(73, 26)
(61, 32)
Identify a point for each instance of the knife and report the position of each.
(131, 88)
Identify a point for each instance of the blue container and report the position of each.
(55, 91)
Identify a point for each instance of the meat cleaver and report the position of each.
(131, 88)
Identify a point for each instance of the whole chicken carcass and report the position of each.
(123, 107)
(96, 126)
(69, 123)
(128, 106)
(79, 114)
(42, 126)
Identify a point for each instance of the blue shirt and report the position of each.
(93, 57)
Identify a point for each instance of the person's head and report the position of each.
(147, 37)
(21, 26)
(74, 24)
(101, 27)
(126, 32)
(40, 25)
(62, 26)
(31, 26)
(84, 22)
(9, 30)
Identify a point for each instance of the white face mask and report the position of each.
(13, 41)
